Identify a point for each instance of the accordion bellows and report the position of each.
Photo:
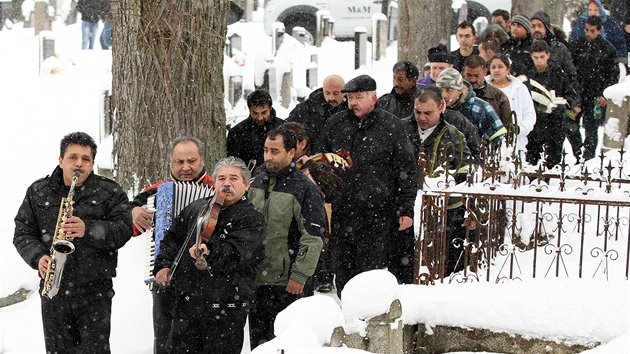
(170, 199)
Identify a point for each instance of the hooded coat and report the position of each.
(560, 54)
(612, 31)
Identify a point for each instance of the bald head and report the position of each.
(332, 90)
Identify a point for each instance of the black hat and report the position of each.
(440, 54)
(360, 83)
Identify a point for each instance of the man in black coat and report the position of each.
(399, 101)
(213, 303)
(247, 139)
(380, 187)
(429, 130)
(78, 318)
(560, 54)
(597, 67)
(186, 165)
(548, 132)
(517, 48)
(319, 106)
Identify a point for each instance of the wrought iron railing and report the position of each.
(514, 221)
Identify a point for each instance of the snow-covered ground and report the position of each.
(37, 110)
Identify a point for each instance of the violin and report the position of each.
(206, 222)
(339, 160)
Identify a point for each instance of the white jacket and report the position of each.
(521, 102)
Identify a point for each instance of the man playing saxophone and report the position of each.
(77, 317)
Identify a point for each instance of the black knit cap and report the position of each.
(440, 54)
(360, 83)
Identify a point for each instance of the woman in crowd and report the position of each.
(520, 100)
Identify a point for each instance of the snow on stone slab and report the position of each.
(319, 314)
(368, 295)
(618, 92)
(573, 311)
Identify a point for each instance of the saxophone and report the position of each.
(61, 246)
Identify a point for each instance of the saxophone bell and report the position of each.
(63, 246)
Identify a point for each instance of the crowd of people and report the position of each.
(92, 13)
(305, 204)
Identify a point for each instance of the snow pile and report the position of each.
(362, 300)
(582, 311)
(318, 313)
(618, 93)
(570, 311)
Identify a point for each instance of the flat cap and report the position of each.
(360, 83)
(450, 78)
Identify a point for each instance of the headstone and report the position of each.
(249, 10)
(277, 29)
(46, 46)
(312, 72)
(616, 127)
(323, 19)
(299, 33)
(285, 89)
(228, 48)
(392, 32)
(274, 85)
(360, 47)
(106, 117)
(235, 42)
(235, 89)
(42, 21)
(379, 36)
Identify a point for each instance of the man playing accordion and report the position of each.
(187, 171)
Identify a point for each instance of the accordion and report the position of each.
(170, 199)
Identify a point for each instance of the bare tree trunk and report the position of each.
(556, 10)
(527, 7)
(167, 82)
(422, 24)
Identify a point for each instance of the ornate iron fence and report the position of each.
(511, 222)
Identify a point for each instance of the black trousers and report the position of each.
(268, 302)
(163, 305)
(360, 243)
(547, 135)
(78, 324)
(400, 260)
(201, 326)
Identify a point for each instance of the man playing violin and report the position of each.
(212, 304)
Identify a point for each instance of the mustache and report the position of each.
(78, 170)
(228, 189)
